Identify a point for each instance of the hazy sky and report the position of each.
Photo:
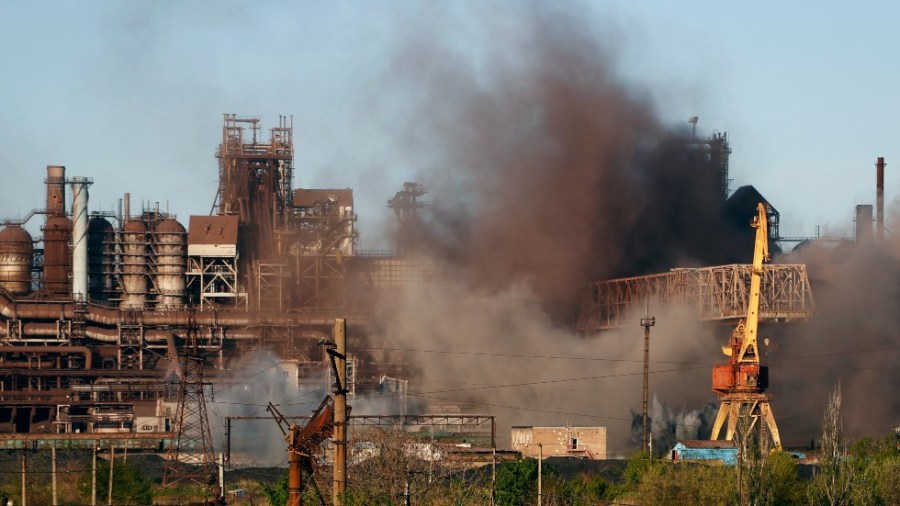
(132, 93)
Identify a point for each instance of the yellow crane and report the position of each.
(741, 383)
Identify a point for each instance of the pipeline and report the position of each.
(236, 323)
(84, 350)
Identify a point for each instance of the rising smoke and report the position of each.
(852, 339)
(547, 170)
(547, 167)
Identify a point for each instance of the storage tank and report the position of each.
(170, 262)
(101, 258)
(134, 265)
(16, 255)
(58, 255)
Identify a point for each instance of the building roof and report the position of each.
(556, 427)
(707, 444)
(213, 230)
(744, 201)
(310, 197)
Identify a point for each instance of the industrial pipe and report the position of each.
(879, 198)
(84, 350)
(111, 317)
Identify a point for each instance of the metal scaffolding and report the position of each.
(716, 293)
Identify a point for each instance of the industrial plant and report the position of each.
(96, 311)
(113, 324)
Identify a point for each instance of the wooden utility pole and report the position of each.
(540, 473)
(94, 477)
(493, 473)
(55, 498)
(24, 471)
(339, 487)
(112, 461)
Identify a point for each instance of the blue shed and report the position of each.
(703, 450)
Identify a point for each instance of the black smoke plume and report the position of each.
(547, 171)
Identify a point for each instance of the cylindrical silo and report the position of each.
(57, 255)
(170, 262)
(16, 255)
(56, 190)
(101, 258)
(134, 264)
(79, 237)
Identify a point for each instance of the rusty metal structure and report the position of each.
(302, 445)
(718, 293)
(95, 314)
(98, 312)
(742, 382)
(191, 456)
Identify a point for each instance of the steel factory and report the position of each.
(97, 310)
(113, 323)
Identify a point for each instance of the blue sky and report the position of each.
(132, 93)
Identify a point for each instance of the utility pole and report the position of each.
(540, 473)
(94, 477)
(24, 471)
(222, 475)
(493, 474)
(53, 473)
(112, 461)
(647, 321)
(339, 363)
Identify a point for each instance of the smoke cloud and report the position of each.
(545, 166)
(547, 170)
(851, 339)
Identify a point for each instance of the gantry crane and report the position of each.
(303, 441)
(741, 384)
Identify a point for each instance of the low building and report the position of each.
(705, 450)
(575, 442)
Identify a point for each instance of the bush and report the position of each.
(130, 486)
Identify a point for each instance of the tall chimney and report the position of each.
(126, 211)
(79, 237)
(863, 223)
(879, 199)
(56, 190)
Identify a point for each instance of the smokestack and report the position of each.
(79, 237)
(126, 212)
(879, 200)
(56, 190)
(863, 223)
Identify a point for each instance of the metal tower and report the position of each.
(741, 383)
(191, 456)
(255, 178)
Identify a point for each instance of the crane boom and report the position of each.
(742, 382)
(760, 255)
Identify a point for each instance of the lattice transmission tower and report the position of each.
(191, 457)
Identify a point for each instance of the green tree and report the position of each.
(876, 466)
(833, 483)
(130, 486)
(583, 489)
(517, 482)
(278, 493)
